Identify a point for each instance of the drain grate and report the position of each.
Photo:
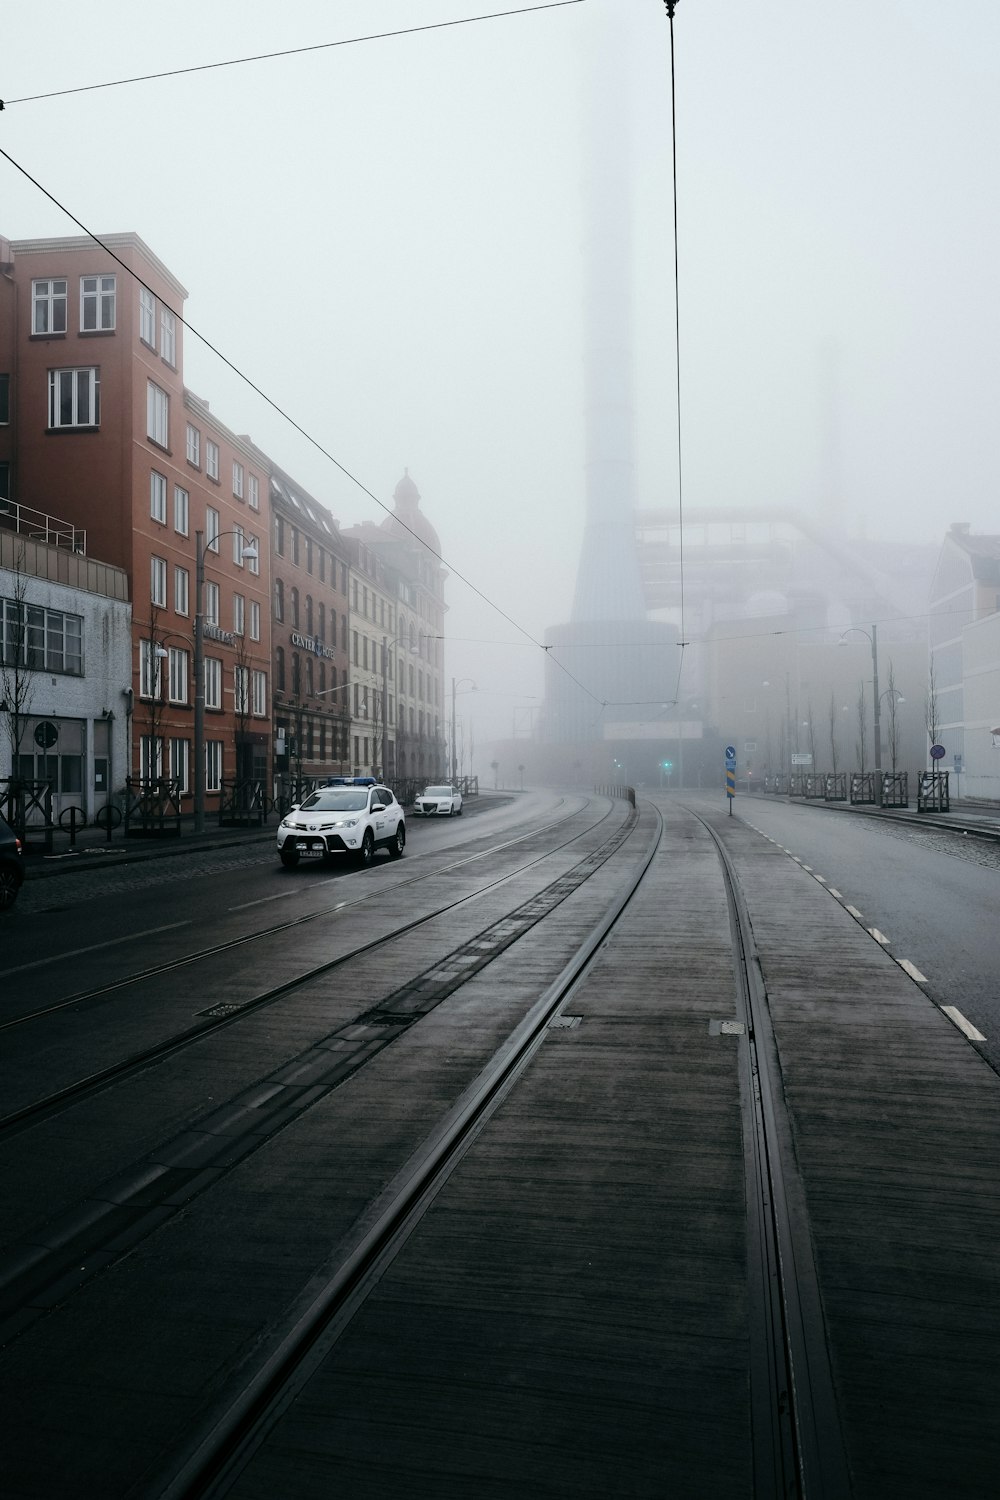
(564, 1023)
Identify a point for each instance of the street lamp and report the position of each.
(201, 547)
(873, 638)
(454, 688)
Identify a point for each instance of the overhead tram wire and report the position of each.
(235, 62)
(671, 6)
(241, 374)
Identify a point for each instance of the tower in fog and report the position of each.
(622, 660)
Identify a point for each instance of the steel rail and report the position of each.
(798, 1447)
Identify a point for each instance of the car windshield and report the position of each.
(337, 799)
(438, 791)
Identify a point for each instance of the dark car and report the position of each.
(11, 865)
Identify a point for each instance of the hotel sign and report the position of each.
(311, 643)
(213, 633)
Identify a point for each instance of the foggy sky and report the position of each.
(388, 238)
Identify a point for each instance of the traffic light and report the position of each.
(668, 765)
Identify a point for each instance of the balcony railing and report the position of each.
(39, 527)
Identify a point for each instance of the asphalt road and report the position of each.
(933, 894)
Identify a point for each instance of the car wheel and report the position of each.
(459, 812)
(367, 851)
(289, 858)
(9, 887)
(398, 843)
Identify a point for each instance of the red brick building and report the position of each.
(96, 426)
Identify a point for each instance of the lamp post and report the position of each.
(873, 638)
(200, 548)
(454, 689)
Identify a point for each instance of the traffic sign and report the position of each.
(730, 783)
(936, 752)
(730, 752)
(46, 734)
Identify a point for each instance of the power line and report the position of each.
(281, 412)
(236, 62)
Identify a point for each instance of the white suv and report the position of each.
(352, 820)
(439, 801)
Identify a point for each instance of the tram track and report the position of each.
(798, 1447)
(117, 1214)
(218, 1451)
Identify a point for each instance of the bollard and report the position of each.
(76, 820)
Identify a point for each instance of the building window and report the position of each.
(295, 608)
(179, 760)
(212, 603)
(150, 757)
(309, 555)
(296, 675)
(147, 317)
(254, 620)
(260, 694)
(253, 492)
(238, 480)
(157, 415)
(213, 682)
(241, 690)
(182, 580)
(178, 661)
(211, 459)
(40, 638)
(168, 337)
(294, 540)
(279, 599)
(321, 628)
(279, 669)
(239, 614)
(213, 765)
(4, 400)
(158, 581)
(310, 684)
(253, 563)
(309, 614)
(158, 497)
(48, 306)
(238, 545)
(279, 536)
(182, 510)
(212, 528)
(74, 398)
(149, 670)
(193, 445)
(97, 304)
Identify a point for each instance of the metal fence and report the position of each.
(152, 807)
(894, 791)
(932, 792)
(27, 806)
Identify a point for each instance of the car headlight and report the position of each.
(346, 823)
(286, 823)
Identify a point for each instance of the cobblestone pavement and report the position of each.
(73, 888)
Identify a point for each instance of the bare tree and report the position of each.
(931, 704)
(376, 705)
(18, 661)
(894, 727)
(811, 729)
(861, 746)
(241, 707)
(833, 733)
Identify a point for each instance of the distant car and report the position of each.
(336, 820)
(11, 865)
(439, 801)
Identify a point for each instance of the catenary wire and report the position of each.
(287, 417)
(235, 62)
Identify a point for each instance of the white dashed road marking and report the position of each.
(855, 913)
(954, 1014)
(913, 971)
(879, 937)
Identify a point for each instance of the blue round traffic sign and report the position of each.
(730, 752)
(936, 752)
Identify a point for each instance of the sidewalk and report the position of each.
(981, 818)
(93, 849)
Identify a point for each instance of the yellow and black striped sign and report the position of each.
(730, 783)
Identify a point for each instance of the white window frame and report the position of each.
(259, 690)
(49, 303)
(73, 376)
(147, 317)
(179, 760)
(193, 445)
(178, 681)
(158, 496)
(149, 671)
(211, 602)
(168, 336)
(241, 689)
(213, 765)
(158, 581)
(213, 528)
(213, 682)
(253, 492)
(157, 414)
(182, 510)
(150, 757)
(239, 542)
(182, 590)
(98, 298)
(254, 620)
(253, 563)
(211, 458)
(239, 476)
(239, 614)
